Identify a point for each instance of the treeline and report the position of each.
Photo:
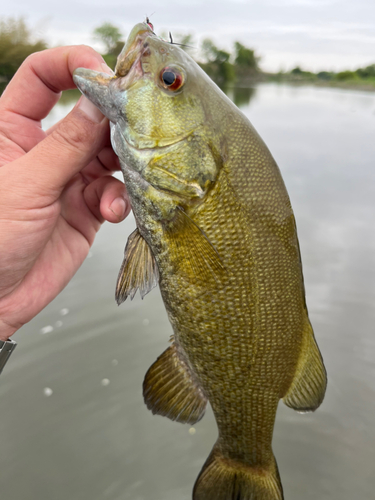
(239, 67)
(17, 42)
(361, 76)
(222, 66)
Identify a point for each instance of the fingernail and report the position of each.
(106, 69)
(118, 207)
(90, 110)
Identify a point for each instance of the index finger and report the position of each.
(36, 86)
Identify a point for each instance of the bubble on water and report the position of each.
(192, 431)
(114, 362)
(47, 391)
(146, 322)
(64, 311)
(46, 329)
(58, 324)
(105, 382)
(89, 255)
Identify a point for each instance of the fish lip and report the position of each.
(129, 68)
(132, 51)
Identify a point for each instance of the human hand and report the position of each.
(56, 187)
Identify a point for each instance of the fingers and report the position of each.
(36, 86)
(109, 159)
(105, 163)
(107, 199)
(48, 167)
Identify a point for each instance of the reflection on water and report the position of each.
(241, 96)
(71, 402)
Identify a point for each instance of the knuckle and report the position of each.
(72, 134)
(32, 58)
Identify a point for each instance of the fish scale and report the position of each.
(216, 230)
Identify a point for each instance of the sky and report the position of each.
(313, 34)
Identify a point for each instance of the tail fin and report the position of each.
(225, 479)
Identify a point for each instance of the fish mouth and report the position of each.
(129, 60)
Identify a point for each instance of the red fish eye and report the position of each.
(171, 78)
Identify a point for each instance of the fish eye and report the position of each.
(171, 78)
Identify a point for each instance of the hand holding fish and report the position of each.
(56, 187)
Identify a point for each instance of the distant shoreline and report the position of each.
(261, 77)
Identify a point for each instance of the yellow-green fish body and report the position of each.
(216, 229)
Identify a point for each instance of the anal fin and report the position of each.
(308, 387)
(138, 270)
(170, 389)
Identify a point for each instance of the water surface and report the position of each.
(73, 419)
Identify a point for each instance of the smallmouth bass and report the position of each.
(216, 230)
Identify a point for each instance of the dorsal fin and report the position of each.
(138, 269)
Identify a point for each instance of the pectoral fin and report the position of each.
(138, 271)
(170, 390)
(308, 387)
(197, 256)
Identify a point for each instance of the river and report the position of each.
(74, 425)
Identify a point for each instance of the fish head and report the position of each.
(164, 112)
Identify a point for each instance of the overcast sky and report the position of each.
(315, 34)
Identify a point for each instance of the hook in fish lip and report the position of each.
(149, 23)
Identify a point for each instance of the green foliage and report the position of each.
(245, 58)
(217, 64)
(346, 75)
(325, 75)
(243, 95)
(16, 43)
(110, 60)
(186, 41)
(296, 71)
(110, 36)
(299, 74)
(212, 54)
(368, 72)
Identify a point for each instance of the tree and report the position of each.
(213, 54)
(110, 36)
(368, 72)
(245, 58)
(185, 41)
(217, 63)
(16, 43)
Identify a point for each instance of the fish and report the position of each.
(216, 231)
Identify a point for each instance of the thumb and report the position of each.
(77, 140)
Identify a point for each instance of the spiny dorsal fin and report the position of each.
(170, 389)
(138, 269)
(196, 252)
(309, 384)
